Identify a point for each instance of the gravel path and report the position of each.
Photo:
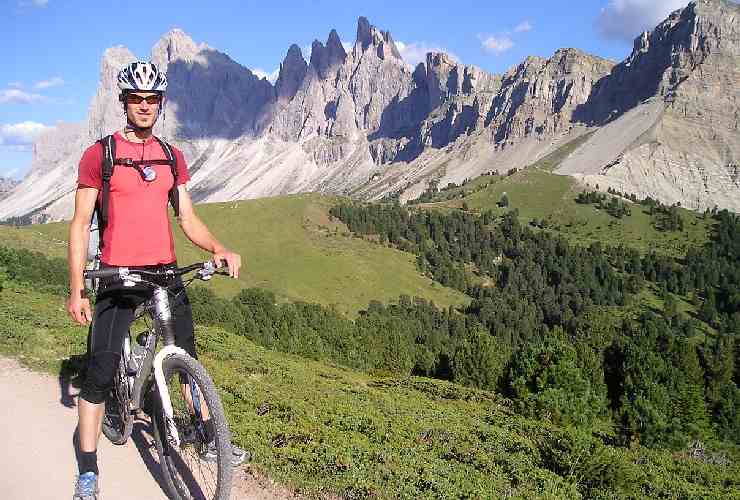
(39, 417)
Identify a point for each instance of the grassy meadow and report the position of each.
(290, 247)
(539, 194)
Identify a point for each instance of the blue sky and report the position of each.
(51, 49)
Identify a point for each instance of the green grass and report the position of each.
(49, 239)
(538, 194)
(325, 430)
(290, 247)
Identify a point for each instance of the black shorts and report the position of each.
(114, 312)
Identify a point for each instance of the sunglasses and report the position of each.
(137, 99)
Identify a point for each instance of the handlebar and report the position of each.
(205, 271)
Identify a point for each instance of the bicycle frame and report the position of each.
(158, 308)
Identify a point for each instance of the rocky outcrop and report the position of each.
(685, 75)
(363, 122)
(7, 185)
(291, 75)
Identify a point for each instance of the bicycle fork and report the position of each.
(164, 322)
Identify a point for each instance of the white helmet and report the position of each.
(141, 76)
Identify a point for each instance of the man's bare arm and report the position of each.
(79, 236)
(198, 233)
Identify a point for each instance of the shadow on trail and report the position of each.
(142, 438)
(71, 376)
(144, 444)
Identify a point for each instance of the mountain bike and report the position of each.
(173, 388)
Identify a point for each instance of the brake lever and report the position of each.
(207, 271)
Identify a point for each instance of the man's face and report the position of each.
(143, 108)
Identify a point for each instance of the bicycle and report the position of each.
(178, 411)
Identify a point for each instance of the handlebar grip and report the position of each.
(109, 272)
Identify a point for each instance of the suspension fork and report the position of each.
(165, 326)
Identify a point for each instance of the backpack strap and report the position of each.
(174, 194)
(109, 153)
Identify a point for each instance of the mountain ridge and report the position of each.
(363, 122)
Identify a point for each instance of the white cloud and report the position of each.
(522, 27)
(33, 3)
(51, 82)
(15, 85)
(416, 52)
(20, 136)
(271, 76)
(625, 19)
(496, 44)
(19, 97)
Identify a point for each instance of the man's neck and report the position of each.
(134, 135)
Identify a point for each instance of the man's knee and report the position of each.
(100, 372)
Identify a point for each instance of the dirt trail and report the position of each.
(38, 460)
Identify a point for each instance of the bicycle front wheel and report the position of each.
(200, 467)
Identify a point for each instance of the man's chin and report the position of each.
(146, 124)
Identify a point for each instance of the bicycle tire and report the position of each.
(118, 422)
(171, 462)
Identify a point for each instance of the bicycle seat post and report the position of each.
(163, 315)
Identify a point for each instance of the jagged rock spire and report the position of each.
(325, 57)
(174, 45)
(292, 72)
(369, 36)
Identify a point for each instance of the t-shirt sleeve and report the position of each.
(182, 167)
(89, 174)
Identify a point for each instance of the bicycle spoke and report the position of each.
(194, 476)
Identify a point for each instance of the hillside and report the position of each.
(290, 247)
(546, 199)
(572, 372)
(329, 431)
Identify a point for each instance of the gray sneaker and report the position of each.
(86, 487)
(238, 455)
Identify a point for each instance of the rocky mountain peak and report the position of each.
(105, 110)
(663, 58)
(368, 36)
(114, 58)
(174, 45)
(334, 45)
(325, 57)
(292, 72)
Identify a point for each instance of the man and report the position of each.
(137, 233)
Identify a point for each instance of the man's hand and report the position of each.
(79, 309)
(233, 261)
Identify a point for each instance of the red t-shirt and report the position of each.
(138, 231)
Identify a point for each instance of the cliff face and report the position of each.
(364, 122)
(686, 81)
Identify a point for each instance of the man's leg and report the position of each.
(90, 419)
(110, 323)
